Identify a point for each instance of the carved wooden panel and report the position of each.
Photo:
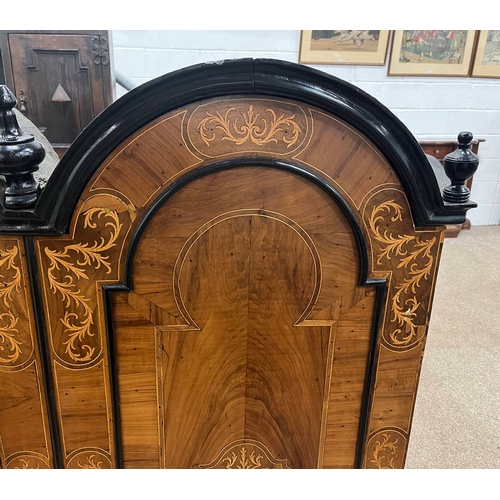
(278, 304)
(24, 430)
(63, 80)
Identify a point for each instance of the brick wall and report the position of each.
(432, 108)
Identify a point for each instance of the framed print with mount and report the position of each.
(432, 52)
(344, 47)
(487, 59)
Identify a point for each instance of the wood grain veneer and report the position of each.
(232, 267)
(257, 331)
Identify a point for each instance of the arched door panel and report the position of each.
(250, 272)
(243, 280)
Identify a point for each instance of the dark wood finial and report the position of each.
(460, 166)
(20, 155)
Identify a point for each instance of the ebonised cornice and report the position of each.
(55, 206)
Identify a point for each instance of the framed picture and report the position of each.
(344, 47)
(487, 60)
(432, 52)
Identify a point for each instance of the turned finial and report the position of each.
(460, 166)
(20, 155)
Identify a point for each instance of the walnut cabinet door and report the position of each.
(241, 286)
(231, 267)
(252, 274)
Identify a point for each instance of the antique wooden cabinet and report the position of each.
(62, 79)
(232, 267)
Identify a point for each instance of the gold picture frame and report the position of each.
(432, 52)
(487, 58)
(363, 47)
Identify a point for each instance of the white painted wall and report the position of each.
(432, 108)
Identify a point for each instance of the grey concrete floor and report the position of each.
(456, 422)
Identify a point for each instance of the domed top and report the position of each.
(261, 77)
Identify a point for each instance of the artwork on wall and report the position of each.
(344, 47)
(487, 60)
(432, 52)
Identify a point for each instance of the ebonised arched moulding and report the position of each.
(231, 267)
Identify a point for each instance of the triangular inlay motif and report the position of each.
(60, 95)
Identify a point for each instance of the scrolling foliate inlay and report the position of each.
(24, 432)
(28, 461)
(245, 454)
(254, 125)
(89, 459)
(90, 462)
(24, 464)
(10, 345)
(241, 127)
(74, 260)
(10, 283)
(416, 256)
(11, 295)
(386, 450)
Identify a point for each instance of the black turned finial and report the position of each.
(460, 166)
(20, 155)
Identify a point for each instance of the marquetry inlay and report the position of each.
(256, 125)
(386, 449)
(74, 260)
(28, 461)
(273, 267)
(249, 126)
(415, 256)
(24, 432)
(245, 454)
(89, 459)
(10, 343)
